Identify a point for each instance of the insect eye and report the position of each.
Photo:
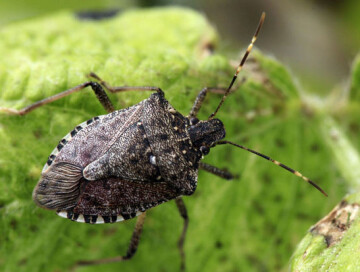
(194, 121)
(205, 150)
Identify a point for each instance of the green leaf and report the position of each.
(332, 244)
(252, 223)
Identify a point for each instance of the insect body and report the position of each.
(116, 166)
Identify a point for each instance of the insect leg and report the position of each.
(183, 212)
(134, 242)
(99, 92)
(216, 171)
(200, 99)
(113, 89)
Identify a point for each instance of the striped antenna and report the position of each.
(277, 163)
(248, 50)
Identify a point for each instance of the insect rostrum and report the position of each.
(116, 166)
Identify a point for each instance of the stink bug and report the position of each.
(116, 166)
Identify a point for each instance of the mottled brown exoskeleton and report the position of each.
(116, 166)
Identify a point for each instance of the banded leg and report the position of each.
(183, 212)
(216, 171)
(134, 242)
(96, 87)
(98, 90)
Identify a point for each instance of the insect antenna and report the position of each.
(277, 163)
(248, 50)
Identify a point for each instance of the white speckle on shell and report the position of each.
(153, 160)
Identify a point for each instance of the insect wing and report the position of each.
(62, 176)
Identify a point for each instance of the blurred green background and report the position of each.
(318, 38)
(253, 225)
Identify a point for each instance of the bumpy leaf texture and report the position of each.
(252, 223)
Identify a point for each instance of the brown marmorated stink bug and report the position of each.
(116, 166)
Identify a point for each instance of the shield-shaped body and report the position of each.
(115, 166)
